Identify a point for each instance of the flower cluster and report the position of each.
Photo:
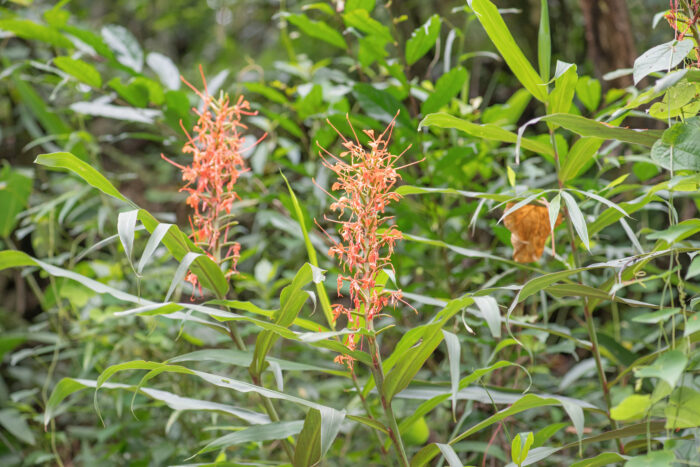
(210, 179)
(685, 21)
(366, 179)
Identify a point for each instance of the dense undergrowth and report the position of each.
(347, 257)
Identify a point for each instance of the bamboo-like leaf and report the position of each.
(498, 32)
(577, 218)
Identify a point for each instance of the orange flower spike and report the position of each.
(366, 178)
(217, 162)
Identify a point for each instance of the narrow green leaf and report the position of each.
(153, 242)
(544, 43)
(576, 218)
(308, 448)
(453, 356)
(412, 360)
(15, 189)
(587, 127)
(498, 32)
(562, 96)
(313, 258)
(126, 224)
(492, 132)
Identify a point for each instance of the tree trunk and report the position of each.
(609, 38)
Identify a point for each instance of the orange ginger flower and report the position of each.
(366, 179)
(217, 162)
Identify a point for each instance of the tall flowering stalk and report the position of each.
(217, 163)
(366, 178)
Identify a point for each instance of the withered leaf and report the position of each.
(529, 228)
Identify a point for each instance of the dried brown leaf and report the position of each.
(529, 228)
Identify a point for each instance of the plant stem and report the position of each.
(267, 403)
(378, 374)
(588, 315)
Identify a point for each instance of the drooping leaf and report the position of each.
(30, 30)
(498, 32)
(661, 57)
(124, 45)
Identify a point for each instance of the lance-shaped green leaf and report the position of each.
(491, 132)
(412, 361)
(544, 43)
(30, 30)
(587, 127)
(313, 258)
(206, 270)
(562, 96)
(292, 299)
(498, 32)
(318, 30)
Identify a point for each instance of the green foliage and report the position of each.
(586, 357)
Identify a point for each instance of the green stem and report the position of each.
(378, 374)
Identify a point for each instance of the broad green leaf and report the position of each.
(562, 96)
(360, 19)
(381, 105)
(257, 433)
(80, 70)
(498, 32)
(268, 92)
(318, 30)
(576, 218)
(446, 87)
(678, 100)
(492, 132)
(579, 156)
(30, 30)
(679, 147)
(632, 407)
(165, 69)
(588, 91)
(652, 459)
(683, 409)
(544, 43)
(662, 57)
(423, 39)
(125, 46)
(15, 423)
(134, 93)
(15, 189)
(412, 361)
(669, 367)
(587, 127)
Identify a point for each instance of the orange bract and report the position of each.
(529, 228)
